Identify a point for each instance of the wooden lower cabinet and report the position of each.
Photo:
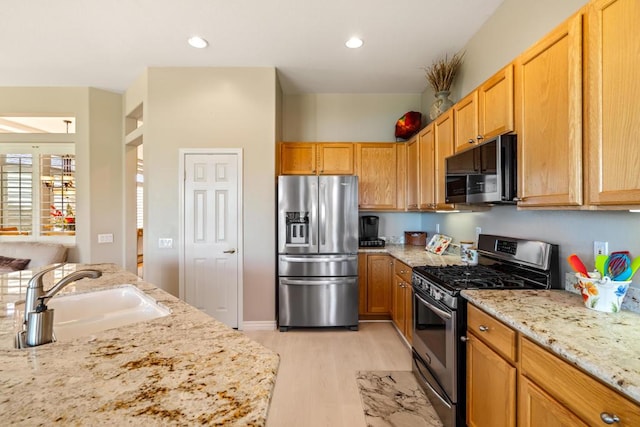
(550, 391)
(568, 388)
(374, 276)
(402, 299)
(491, 379)
(537, 408)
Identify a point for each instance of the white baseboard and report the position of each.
(259, 325)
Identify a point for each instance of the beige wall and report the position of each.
(345, 117)
(212, 108)
(106, 169)
(516, 25)
(98, 137)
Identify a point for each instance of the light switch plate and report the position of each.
(105, 238)
(165, 243)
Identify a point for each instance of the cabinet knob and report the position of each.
(471, 141)
(479, 137)
(483, 328)
(464, 338)
(609, 418)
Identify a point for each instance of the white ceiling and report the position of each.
(108, 43)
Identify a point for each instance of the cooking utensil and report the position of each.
(578, 266)
(618, 266)
(600, 261)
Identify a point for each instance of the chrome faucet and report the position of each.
(35, 305)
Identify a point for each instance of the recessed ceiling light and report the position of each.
(198, 42)
(354, 43)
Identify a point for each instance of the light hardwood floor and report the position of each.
(316, 382)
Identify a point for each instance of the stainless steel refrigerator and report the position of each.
(317, 251)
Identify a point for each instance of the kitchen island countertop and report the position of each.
(185, 368)
(606, 345)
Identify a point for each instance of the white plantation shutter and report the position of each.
(16, 192)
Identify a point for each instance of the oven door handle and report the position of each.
(435, 309)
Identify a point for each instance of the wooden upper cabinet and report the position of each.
(377, 169)
(413, 165)
(495, 104)
(298, 158)
(486, 112)
(427, 175)
(311, 158)
(335, 158)
(613, 102)
(549, 118)
(443, 148)
(465, 114)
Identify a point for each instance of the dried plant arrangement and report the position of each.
(441, 73)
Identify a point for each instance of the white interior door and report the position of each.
(211, 273)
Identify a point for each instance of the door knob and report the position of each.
(230, 251)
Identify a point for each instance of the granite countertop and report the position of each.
(185, 368)
(415, 256)
(606, 345)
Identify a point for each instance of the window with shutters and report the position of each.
(16, 193)
(37, 190)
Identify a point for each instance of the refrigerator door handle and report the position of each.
(323, 213)
(318, 258)
(323, 281)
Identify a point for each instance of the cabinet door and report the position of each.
(443, 148)
(413, 164)
(426, 171)
(362, 284)
(549, 126)
(376, 165)
(536, 408)
(335, 158)
(298, 158)
(379, 268)
(408, 312)
(491, 387)
(613, 106)
(465, 114)
(397, 303)
(495, 104)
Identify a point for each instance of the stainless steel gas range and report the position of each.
(439, 312)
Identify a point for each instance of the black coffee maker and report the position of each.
(369, 232)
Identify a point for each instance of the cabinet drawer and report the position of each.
(493, 332)
(583, 395)
(402, 270)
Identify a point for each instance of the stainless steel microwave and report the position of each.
(486, 173)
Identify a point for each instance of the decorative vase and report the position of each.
(440, 105)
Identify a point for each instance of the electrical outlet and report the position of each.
(600, 248)
(478, 232)
(165, 243)
(437, 228)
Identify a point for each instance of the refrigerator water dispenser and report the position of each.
(297, 228)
